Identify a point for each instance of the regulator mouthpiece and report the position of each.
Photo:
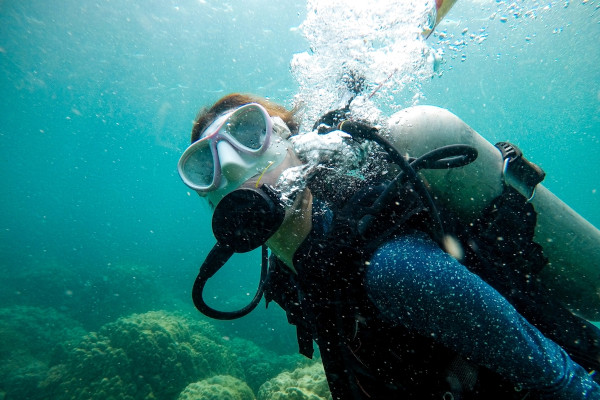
(246, 218)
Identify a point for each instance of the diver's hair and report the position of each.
(207, 115)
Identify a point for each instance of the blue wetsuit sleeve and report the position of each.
(414, 283)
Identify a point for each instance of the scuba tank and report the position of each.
(571, 244)
(442, 7)
(437, 14)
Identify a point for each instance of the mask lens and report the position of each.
(199, 168)
(248, 127)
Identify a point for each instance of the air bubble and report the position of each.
(380, 41)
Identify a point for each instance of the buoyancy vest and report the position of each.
(364, 356)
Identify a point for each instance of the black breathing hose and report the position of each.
(451, 156)
(217, 257)
(444, 157)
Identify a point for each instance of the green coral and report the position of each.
(220, 387)
(306, 383)
(260, 364)
(34, 330)
(28, 338)
(144, 356)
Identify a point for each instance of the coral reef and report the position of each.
(267, 327)
(35, 330)
(260, 364)
(305, 383)
(154, 355)
(45, 353)
(220, 387)
(28, 336)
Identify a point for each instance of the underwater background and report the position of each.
(100, 241)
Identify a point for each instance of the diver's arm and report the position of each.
(414, 283)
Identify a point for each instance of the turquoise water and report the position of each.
(96, 107)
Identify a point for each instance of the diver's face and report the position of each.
(236, 146)
(238, 169)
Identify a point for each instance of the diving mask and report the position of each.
(235, 147)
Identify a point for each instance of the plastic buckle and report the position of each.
(518, 172)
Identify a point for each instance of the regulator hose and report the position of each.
(442, 158)
(217, 257)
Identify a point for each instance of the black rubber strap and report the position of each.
(522, 169)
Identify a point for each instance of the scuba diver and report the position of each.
(364, 267)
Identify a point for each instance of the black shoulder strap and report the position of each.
(366, 222)
(282, 288)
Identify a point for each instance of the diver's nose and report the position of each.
(233, 166)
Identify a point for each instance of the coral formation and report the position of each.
(28, 336)
(305, 383)
(153, 355)
(260, 364)
(35, 331)
(267, 327)
(220, 387)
